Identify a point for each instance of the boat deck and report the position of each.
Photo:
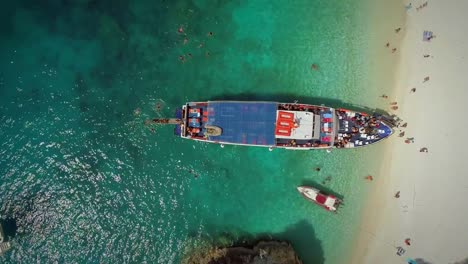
(243, 123)
(272, 124)
(356, 129)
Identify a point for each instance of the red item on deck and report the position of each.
(285, 115)
(326, 139)
(284, 123)
(283, 131)
(327, 120)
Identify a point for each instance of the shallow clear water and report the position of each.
(86, 181)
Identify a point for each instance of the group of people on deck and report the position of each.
(362, 124)
(299, 107)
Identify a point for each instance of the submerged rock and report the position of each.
(264, 252)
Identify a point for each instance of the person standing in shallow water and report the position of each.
(317, 169)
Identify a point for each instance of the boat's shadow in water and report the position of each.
(290, 98)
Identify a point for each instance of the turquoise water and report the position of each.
(87, 182)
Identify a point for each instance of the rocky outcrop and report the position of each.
(264, 252)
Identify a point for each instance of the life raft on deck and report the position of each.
(213, 130)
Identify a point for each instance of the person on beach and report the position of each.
(393, 50)
(425, 150)
(397, 194)
(421, 6)
(402, 134)
(393, 103)
(413, 90)
(426, 55)
(394, 107)
(397, 30)
(384, 96)
(387, 45)
(426, 79)
(404, 125)
(408, 241)
(369, 178)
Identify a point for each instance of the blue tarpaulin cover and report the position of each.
(243, 122)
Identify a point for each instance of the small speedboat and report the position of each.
(327, 201)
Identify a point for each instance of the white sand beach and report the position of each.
(433, 206)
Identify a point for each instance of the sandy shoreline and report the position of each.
(431, 209)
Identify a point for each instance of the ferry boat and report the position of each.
(278, 125)
(329, 202)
